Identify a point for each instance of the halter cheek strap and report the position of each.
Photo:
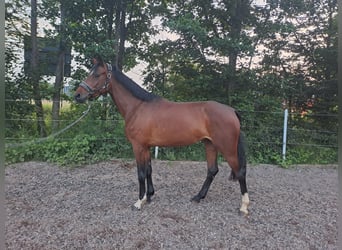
(109, 74)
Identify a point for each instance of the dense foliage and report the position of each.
(258, 59)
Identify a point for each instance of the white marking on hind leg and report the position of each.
(140, 203)
(244, 204)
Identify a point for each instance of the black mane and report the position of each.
(133, 87)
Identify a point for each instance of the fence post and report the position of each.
(286, 114)
(156, 149)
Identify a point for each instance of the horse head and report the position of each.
(96, 83)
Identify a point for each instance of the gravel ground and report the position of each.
(49, 207)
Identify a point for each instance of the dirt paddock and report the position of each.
(90, 208)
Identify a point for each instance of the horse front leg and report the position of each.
(142, 187)
(144, 169)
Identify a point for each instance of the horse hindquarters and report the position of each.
(233, 150)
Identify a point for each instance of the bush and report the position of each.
(311, 155)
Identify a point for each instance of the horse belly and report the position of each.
(177, 133)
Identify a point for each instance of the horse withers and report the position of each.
(154, 121)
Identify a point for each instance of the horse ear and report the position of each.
(97, 60)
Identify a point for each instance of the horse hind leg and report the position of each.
(238, 165)
(211, 155)
(245, 198)
(236, 174)
(242, 174)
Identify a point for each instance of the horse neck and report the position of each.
(124, 100)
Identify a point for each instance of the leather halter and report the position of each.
(92, 91)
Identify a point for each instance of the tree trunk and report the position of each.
(241, 9)
(35, 75)
(109, 7)
(120, 33)
(117, 33)
(56, 99)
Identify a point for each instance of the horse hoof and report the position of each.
(140, 203)
(134, 208)
(196, 199)
(243, 212)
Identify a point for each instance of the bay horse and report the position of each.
(154, 121)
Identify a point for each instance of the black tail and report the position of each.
(241, 153)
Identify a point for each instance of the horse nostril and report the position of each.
(77, 97)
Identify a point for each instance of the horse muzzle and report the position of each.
(81, 98)
(83, 92)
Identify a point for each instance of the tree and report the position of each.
(117, 30)
(299, 41)
(211, 42)
(35, 71)
(17, 103)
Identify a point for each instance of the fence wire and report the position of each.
(263, 131)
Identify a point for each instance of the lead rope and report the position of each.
(13, 145)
